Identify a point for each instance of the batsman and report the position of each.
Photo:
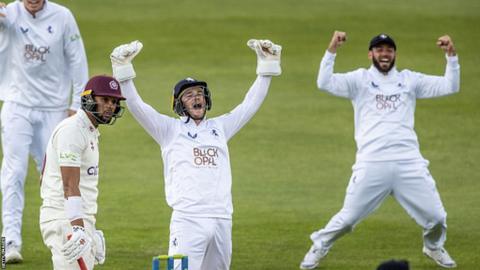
(69, 187)
(195, 154)
(388, 160)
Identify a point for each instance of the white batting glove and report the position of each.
(101, 248)
(122, 57)
(77, 246)
(268, 57)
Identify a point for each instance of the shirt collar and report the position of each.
(191, 122)
(82, 115)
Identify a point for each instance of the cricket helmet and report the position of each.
(180, 87)
(102, 86)
(382, 39)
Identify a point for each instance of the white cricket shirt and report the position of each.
(196, 161)
(384, 105)
(74, 143)
(46, 57)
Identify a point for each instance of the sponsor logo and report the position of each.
(214, 132)
(205, 157)
(192, 136)
(66, 156)
(33, 53)
(93, 170)
(387, 102)
(74, 37)
(24, 30)
(50, 29)
(175, 242)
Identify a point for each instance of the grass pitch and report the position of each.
(291, 163)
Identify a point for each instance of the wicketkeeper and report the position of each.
(195, 154)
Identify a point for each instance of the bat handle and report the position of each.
(81, 262)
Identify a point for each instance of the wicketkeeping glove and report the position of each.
(78, 244)
(268, 57)
(101, 248)
(122, 57)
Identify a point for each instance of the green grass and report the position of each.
(291, 163)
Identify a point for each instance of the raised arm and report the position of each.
(76, 59)
(342, 85)
(428, 86)
(156, 124)
(268, 65)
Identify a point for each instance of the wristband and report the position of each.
(74, 208)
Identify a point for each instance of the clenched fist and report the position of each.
(446, 44)
(337, 40)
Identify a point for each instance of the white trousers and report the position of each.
(409, 182)
(54, 234)
(24, 130)
(206, 241)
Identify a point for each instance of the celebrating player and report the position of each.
(195, 154)
(388, 160)
(42, 48)
(70, 178)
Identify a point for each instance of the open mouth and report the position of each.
(384, 61)
(107, 115)
(197, 106)
(34, 2)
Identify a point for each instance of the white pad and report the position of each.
(268, 57)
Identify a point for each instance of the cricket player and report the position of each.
(388, 160)
(195, 154)
(70, 178)
(46, 60)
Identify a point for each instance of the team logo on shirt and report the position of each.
(388, 102)
(205, 157)
(50, 29)
(33, 53)
(215, 132)
(193, 136)
(24, 30)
